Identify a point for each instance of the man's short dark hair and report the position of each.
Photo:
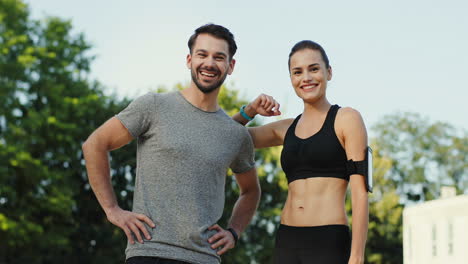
(216, 31)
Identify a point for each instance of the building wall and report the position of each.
(436, 232)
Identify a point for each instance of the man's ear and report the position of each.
(189, 61)
(232, 63)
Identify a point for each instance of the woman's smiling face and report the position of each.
(309, 75)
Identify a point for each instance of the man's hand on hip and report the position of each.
(222, 239)
(131, 223)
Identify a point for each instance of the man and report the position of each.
(186, 143)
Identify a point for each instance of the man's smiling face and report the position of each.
(209, 62)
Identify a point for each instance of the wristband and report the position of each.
(234, 234)
(244, 115)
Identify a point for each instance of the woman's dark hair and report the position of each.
(308, 44)
(216, 31)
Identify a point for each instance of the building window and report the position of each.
(450, 238)
(434, 241)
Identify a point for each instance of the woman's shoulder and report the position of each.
(348, 114)
(348, 110)
(349, 120)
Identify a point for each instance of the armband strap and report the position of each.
(356, 167)
(363, 167)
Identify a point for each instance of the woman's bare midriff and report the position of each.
(315, 202)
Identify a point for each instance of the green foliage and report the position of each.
(49, 108)
(425, 155)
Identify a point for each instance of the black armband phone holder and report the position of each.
(363, 167)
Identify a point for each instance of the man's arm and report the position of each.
(243, 211)
(111, 135)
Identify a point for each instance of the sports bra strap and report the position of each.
(331, 116)
(292, 127)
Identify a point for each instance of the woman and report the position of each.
(317, 145)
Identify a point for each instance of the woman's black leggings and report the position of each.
(328, 244)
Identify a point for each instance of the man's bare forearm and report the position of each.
(244, 209)
(97, 166)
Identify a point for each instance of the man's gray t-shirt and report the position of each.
(182, 159)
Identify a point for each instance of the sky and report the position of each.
(386, 56)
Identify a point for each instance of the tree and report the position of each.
(425, 155)
(47, 211)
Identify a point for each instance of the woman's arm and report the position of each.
(355, 142)
(271, 134)
(360, 219)
(267, 135)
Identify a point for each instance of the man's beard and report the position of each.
(207, 88)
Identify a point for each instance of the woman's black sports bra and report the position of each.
(320, 155)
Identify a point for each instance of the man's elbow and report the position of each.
(255, 191)
(87, 145)
(258, 190)
(259, 195)
(90, 145)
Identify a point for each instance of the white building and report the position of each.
(437, 231)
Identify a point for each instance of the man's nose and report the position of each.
(210, 62)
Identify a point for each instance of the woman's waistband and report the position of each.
(312, 236)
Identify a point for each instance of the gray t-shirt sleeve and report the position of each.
(138, 115)
(244, 160)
